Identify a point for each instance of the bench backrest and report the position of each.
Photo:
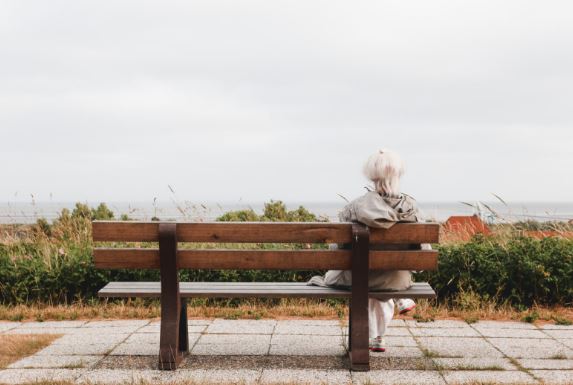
(266, 232)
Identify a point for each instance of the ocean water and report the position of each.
(192, 211)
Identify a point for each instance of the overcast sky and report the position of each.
(253, 100)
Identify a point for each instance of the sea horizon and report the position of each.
(29, 212)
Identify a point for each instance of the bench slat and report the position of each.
(253, 289)
(256, 232)
(109, 258)
(270, 285)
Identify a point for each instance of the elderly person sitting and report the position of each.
(381, 207)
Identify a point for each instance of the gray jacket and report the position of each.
(374, 210)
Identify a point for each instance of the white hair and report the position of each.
(385, 168)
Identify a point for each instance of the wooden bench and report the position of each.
(173, 295)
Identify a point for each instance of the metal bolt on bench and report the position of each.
(173, 294)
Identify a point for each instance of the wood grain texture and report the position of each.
(257, 232)
(255, 290)
(106, 258)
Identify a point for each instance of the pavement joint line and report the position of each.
(511, 359)
(270, 345)
(204, 332)
(121, 342)
(560, 340)
(436, 368)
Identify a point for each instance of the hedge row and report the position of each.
(521, 271)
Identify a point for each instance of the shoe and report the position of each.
(376, 344)
(405, 305)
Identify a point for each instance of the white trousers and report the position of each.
(380, 314)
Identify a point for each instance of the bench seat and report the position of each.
(255, 290)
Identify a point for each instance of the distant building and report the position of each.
(463, 228)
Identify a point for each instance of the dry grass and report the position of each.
(285, 308)
(428, 310)
(16, 347)
(253, 309)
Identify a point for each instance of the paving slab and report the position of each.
(78, 331)
(305, 376)
(216, 376)
(381, 362)
(156, 328)
(313, 322)
(230, 349)
(196, 322)
(78, 349)
(531, 348)
(90, 339)
(110, 330)
(400, 341)
(136, 349)
(504, 325)
(289, 327)
(437, 324)
(488, 376)
(144, 346)
(241, 326)
(5, 326)
(554, 376)
(475, 363)
(458, 347)
(234, 339)
(64, 362)
(21, 330)
(18, 376)
(398, 377)
(395, 331)
(399, 352)
(391, 331)
(445, 332)
(306, 345)
(53, 324)
(510, 333)
(559, 333)
(533, 363)
(143, 338)
(394, 323)
(116, 323)
(195, 328)
(567, 342)
(398, 323)
(114, 376)
(556, 327)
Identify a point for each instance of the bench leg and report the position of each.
(183, 333)
(169, 347)
(169, 354)
(359, 352)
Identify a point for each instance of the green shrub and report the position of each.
(274, 211)
(239, 216)
(519, 270)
